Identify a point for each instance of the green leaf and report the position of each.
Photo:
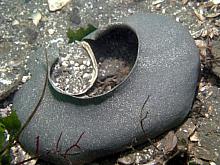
(2, 135)
(2, 127)
(11, 123)
(78, 35)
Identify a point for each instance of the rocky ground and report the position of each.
(26, 25)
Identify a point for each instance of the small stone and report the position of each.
(67, 80)
(36, 17)
(80, 60)
(76, 68)
(82, 67)
(194, 137)
(87, 76)
(216, 2)
(26, 78)
(206, 115)
(55, 5)
(64, 63)
(18, 155)
(5, 81)
(74, 17)
(127, 160)
(51, 31)
(15, 22)
(4, 112)
(61, 59)
(87, 62)
(216, 54)
(72, 62)
(31, 35)
(157, 2)
(185, 2)
(212, 163)
(203, 153)
(76, 64)
(158, 6)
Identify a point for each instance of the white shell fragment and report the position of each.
(216, 2)
(157, 2)
(55, 5)
(36, 17)
(75, 71)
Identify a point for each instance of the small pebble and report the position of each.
(86, 62)
(82, 67)
(87, 76)
(36, 17)
(76, 64)
(51, 31)
(15, 22)
(65, 64)
(216, 2)
(55, 5)
(212, 163)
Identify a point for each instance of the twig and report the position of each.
(58, 141)
(145, 116)
(142, 124)
(37, 145)
(74, 145)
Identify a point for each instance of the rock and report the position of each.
(30, 34)
(51, 31)
(167, 71)
(36, 17)
(11, 68)
(185, 131)
(216, 54)
(55, 5)
(168, 143)
(216, 2)
(209, 129)
(194, 137)
(15, 22)
(18, 155)
(74, 17)
(4, 112)
(127, 160)
(212, 163)
(203, 153)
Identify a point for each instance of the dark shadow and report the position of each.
(82, 102)
(180, 159)
(118, 41)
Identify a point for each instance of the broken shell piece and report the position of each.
(55, 5)
(75, 71)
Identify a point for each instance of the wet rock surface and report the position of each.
(216, 60)
(111, 124)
